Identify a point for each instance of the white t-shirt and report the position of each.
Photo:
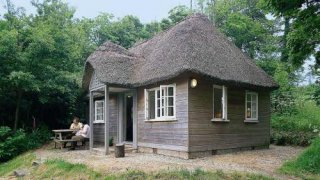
(85, 131)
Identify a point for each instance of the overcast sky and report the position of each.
(146, 10)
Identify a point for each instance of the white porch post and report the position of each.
(106, 119)
(120, 119)
(91, 118)
(135, 119)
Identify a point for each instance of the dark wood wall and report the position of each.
(98, 128)
(206, 135)
(165, 135)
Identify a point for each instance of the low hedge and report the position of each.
(14, 143)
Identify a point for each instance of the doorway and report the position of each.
(128, 118)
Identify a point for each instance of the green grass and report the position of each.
(183, 174)
(299, 128)
(22, 161)
(64, 170)
(307, 164)
(60, 169)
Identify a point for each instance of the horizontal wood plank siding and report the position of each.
(206, 135)
(165, 134)
(98, 128)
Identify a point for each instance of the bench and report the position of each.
(65, 141)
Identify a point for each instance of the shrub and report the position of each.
(11, 144)
(308, 161)
(15, 143)
(299, 128)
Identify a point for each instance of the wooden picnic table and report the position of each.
(60, 136)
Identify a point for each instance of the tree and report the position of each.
(303, 37)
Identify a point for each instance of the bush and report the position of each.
(11, 144)
(15, 143)
(307, 162)
(299, 128)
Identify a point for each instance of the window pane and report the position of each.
(170, 91)
(170, 101)
(151, 104)
(158, 114)
(217, 103)
(158, 103)
(254, 97)
(170, 111)
(162, 114)
(158, 93)
(248, 113)
(254, 106)
(248, 97)
(254, 114)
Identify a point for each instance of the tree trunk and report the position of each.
(284, 54)
(16, 117)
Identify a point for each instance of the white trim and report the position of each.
(95, 112)
(257, 107)
(224, 102)
(219, 120)
(146, 104)
(251, 121)
(160, 120)
(163, 90)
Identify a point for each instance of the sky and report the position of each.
(145, 10)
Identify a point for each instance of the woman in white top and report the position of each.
(83, 133)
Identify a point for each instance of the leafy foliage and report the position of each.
(307, 162)
(15, 143)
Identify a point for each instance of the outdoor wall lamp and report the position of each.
(193, 83)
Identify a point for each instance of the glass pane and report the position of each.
(158, 93)
(254, 106)
(170, 91)
(254, 97)
(254, 114)
(170, 101)
(162, 112)
(158, 103)
(248, 97)
(170, 111)
(217, 103)
(248, 113)
(152, 104)
(158, 114)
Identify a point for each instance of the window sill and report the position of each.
(160, 120)
(220, 120)
(251, 121)
(98, 122)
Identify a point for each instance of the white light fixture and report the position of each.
(193, 83)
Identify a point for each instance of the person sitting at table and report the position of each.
(83, 133)
(76, 124)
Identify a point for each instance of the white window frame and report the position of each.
(95, 112)
(257, 106)
(163, 106)
(224, 104)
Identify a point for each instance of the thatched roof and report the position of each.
(193, 45)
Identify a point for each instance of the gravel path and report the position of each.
(264, 162)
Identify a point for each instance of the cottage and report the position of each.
(187, 92)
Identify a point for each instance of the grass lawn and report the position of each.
(22, 161)
(60, 169)
(307, 164)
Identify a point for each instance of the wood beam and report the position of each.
(106, 119)
(91, 118)
(135, 119)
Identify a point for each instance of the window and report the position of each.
(160, 103)
(251, 106)
(220, 102)
(99, 111)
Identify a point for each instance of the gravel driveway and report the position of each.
(264, 162)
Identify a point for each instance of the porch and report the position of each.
(112, 117)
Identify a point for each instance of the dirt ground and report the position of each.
(264, 162)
